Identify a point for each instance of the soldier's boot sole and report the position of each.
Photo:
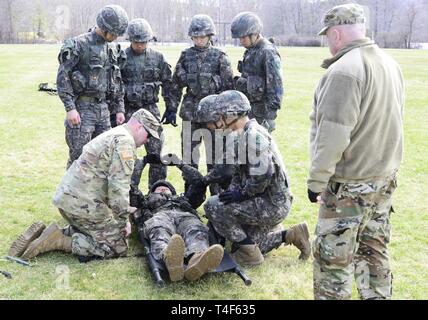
(21, 244)
(51, 239)
(174, 258)
(204, 263)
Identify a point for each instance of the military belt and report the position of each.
(90, 99)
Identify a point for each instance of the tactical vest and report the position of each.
(203, 72)
(253, 73)
(161, 202)
(278, 190)
(97, 73)
(142, 77)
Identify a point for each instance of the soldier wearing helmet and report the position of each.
(93, 195)
(250, 212)
(203, 70)
(145, 72)
(261, 79)
(89, 81)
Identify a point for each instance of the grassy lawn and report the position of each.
(34, 154)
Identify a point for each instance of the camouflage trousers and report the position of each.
(352, 234)
(263, 116)
(95, 119)
(256, 218)
(156, 171)
(163, 225)
(101, 238)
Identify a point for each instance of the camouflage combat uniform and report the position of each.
(264, 182)
(88, 75)
(166, 215)
(261, 82)
(356, 148)
(203, 71)
(142, 76)
(93, 195)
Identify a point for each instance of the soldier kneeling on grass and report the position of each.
(176, 233)
(93, 196)
(258, 198)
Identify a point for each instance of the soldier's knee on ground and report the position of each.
(83, 245)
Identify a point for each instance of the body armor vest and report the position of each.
(142, 77)
(203, 72)
(97, 73)
(253, 74)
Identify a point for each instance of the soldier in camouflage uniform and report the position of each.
(203, 70)
(259, 197)
(93, 195)
(177, 234)
(88, 76)
(146, 70)
(356, 148)
(261, 79)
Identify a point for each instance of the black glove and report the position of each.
(152, 158)
(312, 196)
(196, 194)
(232, 196)
(136, 197)
(169, 117)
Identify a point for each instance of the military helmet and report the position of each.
(139, 30)
(206, 110)
(163, 183)
(245, 24)
(201, 25)
(230, 103)
(113, 19)
(149, 121)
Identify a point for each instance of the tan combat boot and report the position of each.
(51, 239)
(173, 257)
(204, 261)
(248, 254)
(23, 241)
(299, 237)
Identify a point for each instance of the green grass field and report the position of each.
(33, 157)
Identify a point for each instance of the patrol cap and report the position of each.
(350, 13)
(149, 121)
(163, 183)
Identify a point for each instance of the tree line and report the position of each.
(391, 23)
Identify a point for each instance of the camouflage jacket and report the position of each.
(159, 202)
(90, 66)
(203, 72)
(262, 171)
(261, 79)
(143, 75)
(97, 184)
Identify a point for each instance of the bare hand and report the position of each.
(120, 118)
(126, 232)
(73, 117)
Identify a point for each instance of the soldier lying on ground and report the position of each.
(176, 233)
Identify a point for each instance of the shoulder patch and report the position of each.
(126, 154)
(68, 50)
